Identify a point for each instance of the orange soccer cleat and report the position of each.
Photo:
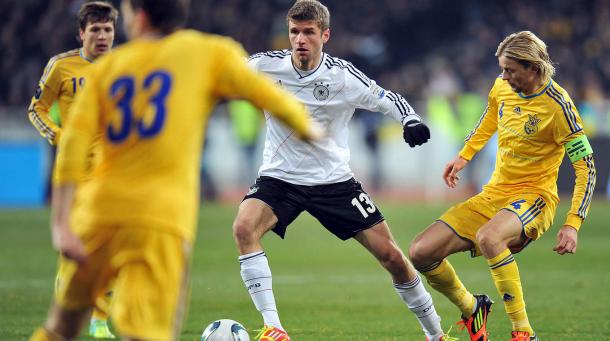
(523, 336)
(269, 333)
(477, 322)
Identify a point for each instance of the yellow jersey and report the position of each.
(532, 131)
(63, 77)
(150, 99)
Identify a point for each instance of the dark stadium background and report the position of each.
(401, 43)
(420, 48)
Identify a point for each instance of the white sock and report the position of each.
(419, 301)
(256, 275)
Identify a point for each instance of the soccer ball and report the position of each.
(225, 330)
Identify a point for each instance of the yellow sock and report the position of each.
(505, 274)
(444, 279)
(101, 307)
(42, 334)
(99, 315)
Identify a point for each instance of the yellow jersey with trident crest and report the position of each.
(534, 133)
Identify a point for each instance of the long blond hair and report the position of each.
(528, 49)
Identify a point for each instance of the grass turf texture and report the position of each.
(332, 290)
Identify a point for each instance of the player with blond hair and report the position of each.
(537, 123)
(134, 221)
(63, 78)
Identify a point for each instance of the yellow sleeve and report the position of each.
(237, 80)
(583, 191)
(78, 135)
(46, 94)
(485, 128)
(568, 129)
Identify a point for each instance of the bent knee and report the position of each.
(419, 254)
(486, 239)
(393, 258)
(243, 230)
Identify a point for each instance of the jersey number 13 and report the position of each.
(364, 205)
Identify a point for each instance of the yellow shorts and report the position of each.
(465, 219)
(102, 303)
(150, 273)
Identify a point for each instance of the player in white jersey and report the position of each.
(332, 90)
(296, 177)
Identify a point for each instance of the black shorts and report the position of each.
(343, 208)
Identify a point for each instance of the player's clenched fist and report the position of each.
(415, 133)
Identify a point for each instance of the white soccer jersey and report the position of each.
(331, 92)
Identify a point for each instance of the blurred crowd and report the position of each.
(428, 50)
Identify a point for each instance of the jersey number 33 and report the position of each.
(123, 90)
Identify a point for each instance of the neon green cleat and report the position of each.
(99, 330)
(445, 337)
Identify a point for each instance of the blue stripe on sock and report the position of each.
(508, 261)
(502, 260)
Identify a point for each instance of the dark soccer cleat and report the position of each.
(476, 324)
(523, 336)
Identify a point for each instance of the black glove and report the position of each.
(415, 133)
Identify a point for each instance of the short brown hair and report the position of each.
(305, 10)
(164, 15)
(527, 49)
(96, 11)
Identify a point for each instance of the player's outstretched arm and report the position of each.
(485, 127)
(237, 80)
(414, 131)
(364, 93)
(450, 175)
(282, 105)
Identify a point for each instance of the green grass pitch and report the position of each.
(332, 290)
